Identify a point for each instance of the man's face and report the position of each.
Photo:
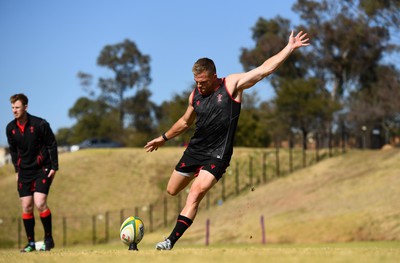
(205, 82)
(18, 109)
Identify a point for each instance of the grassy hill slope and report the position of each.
(346, 198)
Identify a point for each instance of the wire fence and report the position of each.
(247, 170)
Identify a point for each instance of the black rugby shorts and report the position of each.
(33, 181)
(190, 166)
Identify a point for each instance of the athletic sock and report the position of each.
(45, 216)
(182, 223)
(29, 224)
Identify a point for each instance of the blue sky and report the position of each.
(44, 44)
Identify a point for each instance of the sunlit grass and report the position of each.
(349, 252)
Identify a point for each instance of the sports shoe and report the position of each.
(29, 248)
(48, 244)
(164, 245)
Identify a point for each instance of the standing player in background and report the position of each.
(215, 105)
(33, 150)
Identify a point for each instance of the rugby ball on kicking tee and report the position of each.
(131, 230)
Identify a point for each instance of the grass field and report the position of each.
(339, 204)
(372, 252)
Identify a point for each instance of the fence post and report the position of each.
(19, 223)
(290, 155)
(251, 171)
(107, 226)
(178, 205)
(64, 231)
(151, 217)
(94, 230)
(207, 232)
(277, 159)
(264, 167)
(136, 211)
(344, 138)
(330, 142)
(121, 216)
(262, 230)
(223, 188)
(237, 178)
(165, 211)
(317, 147)
(304, 152)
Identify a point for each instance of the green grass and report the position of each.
(347, 198)
(348, 252)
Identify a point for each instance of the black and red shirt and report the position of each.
(217, 116)
(32, 145)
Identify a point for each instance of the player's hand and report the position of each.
(52, 174)
(154, 144)
(299, 40)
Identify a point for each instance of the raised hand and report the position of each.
(299, 40)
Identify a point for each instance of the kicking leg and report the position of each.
(177, 182)
(201, 185)
(203, 182)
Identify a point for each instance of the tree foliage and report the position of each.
(348, 78)
(252, 129)
(95, 118)
(350, 41)
(130, 67)
(171, 111)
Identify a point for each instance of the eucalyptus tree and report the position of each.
(131, 69)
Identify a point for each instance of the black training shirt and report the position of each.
(217, 116)
(35, 148)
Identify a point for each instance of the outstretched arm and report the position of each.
(241, 81)
(179, 126)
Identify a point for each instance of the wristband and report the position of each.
(164, 137)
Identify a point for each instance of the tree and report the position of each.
(253, 127)
(142, 113)
(103, 114)
(296, 90)
(378, 108)
(269, 37)
(131, 68)
(95, 118)
(63, 136)
(305, 105)
(171, 111)
(351, 40)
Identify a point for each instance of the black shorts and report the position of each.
(191, 166)
(33, 181)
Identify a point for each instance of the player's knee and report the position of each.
(27, 209)
(41, 206)
(172, 192)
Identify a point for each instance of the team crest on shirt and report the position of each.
(219, 96)
(13, 131)
(32, 129)
(197, 103)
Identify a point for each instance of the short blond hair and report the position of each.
(204, 64)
